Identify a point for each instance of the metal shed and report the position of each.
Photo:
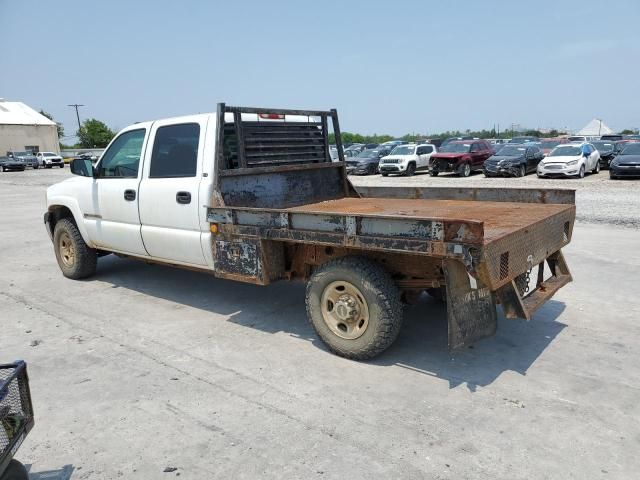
(23, 128)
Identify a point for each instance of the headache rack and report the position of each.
(16, 411)
(273, 139)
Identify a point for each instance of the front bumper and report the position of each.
(501, 171)
(441, 165)
(360, 170)
(14, 166)
(392, 168)
(625, 171)
(555, 171)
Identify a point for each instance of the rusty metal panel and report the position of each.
(520, 195)
(282, 189)
(513, 254)
(258, 218)
(320, 223)
(471, 312)
(238, 257)
(389, 227)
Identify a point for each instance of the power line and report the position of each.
(76, 105)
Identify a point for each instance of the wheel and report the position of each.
(385, 174)
(411, 169)
(433, 174)
(15, 471)
(612, 176)
(464, 170)
(596, 169)
(581, 172)
(522, 171)
(75, 258)
(354, 307)
(62, 166)
(36, 166)
(4, 169)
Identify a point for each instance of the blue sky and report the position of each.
(388, 67)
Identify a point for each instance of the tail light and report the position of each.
(271, 116)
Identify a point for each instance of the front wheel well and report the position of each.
(57, 213)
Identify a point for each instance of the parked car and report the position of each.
(407, 159)
(356, 147)
(351, 153)
(548, 144)
(612, 137)
(627, 162)
(570, 160)
(393, 143)
(461, 157)
(607, 151)
(513, 161)
(28, 158)
(582, 138)
(453, 139)
(366, 163)
(9, 163)
(87, 156)
(49, 160)
(525, 139)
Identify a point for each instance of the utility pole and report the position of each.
(76, 105)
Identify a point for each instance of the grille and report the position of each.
(16, 414)
(554, 167)
(391, 161)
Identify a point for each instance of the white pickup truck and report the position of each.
(253, 195)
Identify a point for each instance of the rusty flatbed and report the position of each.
(499, 218)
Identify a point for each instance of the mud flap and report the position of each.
(471, 312)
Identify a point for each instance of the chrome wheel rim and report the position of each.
(467, 170)
(67, 250)
(344, 310)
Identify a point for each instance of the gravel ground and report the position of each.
(599, 199)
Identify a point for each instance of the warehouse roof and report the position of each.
(17, 113)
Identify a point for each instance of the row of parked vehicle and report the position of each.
(556, 157)
(20, 160)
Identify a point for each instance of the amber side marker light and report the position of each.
(213, 227)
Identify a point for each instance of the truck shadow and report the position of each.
(420, 347)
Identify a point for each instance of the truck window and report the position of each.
(122, 158)
(175, 151)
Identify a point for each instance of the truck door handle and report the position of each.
(129, 195)
(183, 197)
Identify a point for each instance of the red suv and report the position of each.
(461, 157)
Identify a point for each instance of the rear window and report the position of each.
(175, 151)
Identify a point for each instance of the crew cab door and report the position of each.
(170, 206)
(111, 211)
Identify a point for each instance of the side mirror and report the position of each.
(82, 167)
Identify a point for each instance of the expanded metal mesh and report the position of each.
(15, 406)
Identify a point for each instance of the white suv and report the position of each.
(407, 159)
(49, 160)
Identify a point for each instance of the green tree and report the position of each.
(628, 131)
(94, 134)
(58, 125)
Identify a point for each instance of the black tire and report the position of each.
(522, 171)
(612, 177)
(382, 298)
(411, 170)
(596, 169)
(464, 170)
(62, 166)
(581, 172)
(433, 174)
(84, 261)
(384, 174)
(15, 471)
(36, 166)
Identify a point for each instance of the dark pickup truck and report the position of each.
(276, 207)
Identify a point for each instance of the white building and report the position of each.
(22, 128)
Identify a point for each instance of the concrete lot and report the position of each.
(144, 367)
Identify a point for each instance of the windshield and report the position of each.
(603, 146)
(49, 154)
(22, 153)
(568, 151)
(368, 154)
(404, 150)
(523, 139)
(510, 151)
(631, 149)
(550, 144)
(455, 147)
